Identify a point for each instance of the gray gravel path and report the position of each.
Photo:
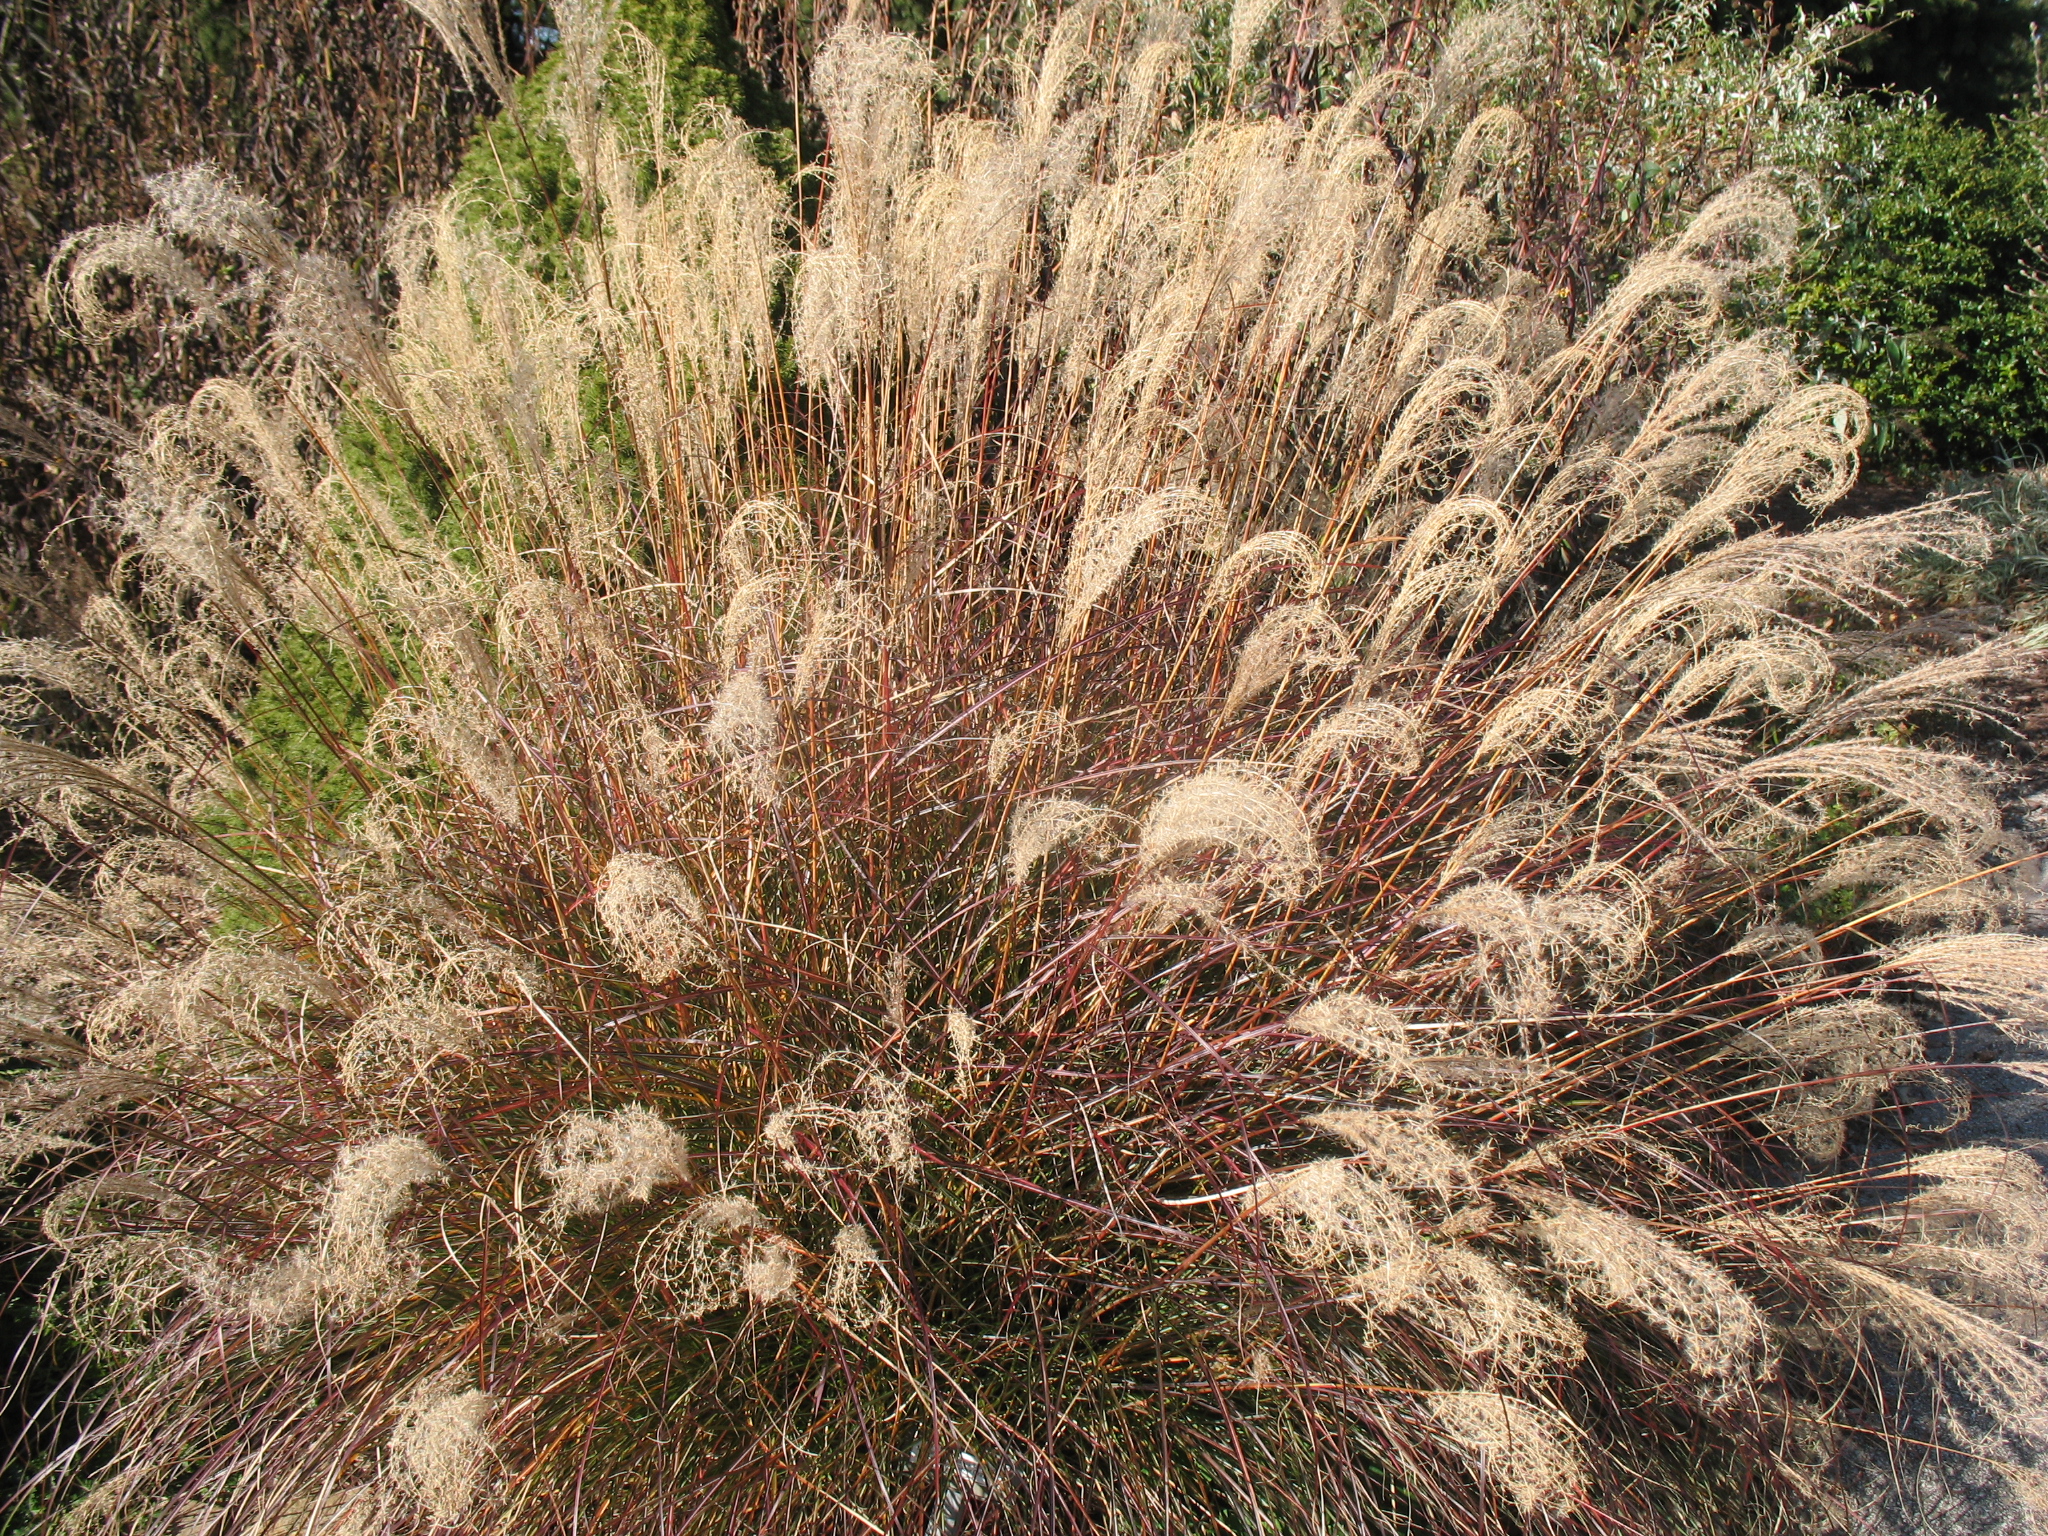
(1899, 1492)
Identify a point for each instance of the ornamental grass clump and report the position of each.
(1102, 845)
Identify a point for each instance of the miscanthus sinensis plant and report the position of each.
(1102, 844)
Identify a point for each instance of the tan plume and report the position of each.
(1380, 736)
(1044, 826)
(1297, 637)
(1105, 542)
(651, 914)
(1285, 552)
(1252, 827)
(2004, 975)
(1623, 1263)
(1529, 1453)
(1367, 1029)
(442, 1448)
(598, 1161)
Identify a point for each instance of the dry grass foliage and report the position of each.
(1135, 848)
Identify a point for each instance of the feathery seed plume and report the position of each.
(1528, 1452)
(651, 914)
(1299, 636)
(1361, 1026)
(442, 1445)
(855, 1293)
(1625, 1263)
(1046, 825)
(1235, 811)
(597, 1161)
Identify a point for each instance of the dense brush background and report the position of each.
(837, 847)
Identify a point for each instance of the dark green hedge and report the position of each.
(1973, 58)
(1924, 289)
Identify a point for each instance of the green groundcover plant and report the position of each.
(1104, 844)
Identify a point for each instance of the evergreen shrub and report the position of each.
(1922, 290)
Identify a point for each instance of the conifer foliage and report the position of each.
(1103, 845)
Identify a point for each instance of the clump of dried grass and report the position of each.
(697, 778)
(440, 1446)
(1528, 1453)
(651, 914)
(597, 1161)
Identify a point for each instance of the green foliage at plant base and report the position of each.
(1922, 290)
(517, 172)
(2014, 577)
(309, 703)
